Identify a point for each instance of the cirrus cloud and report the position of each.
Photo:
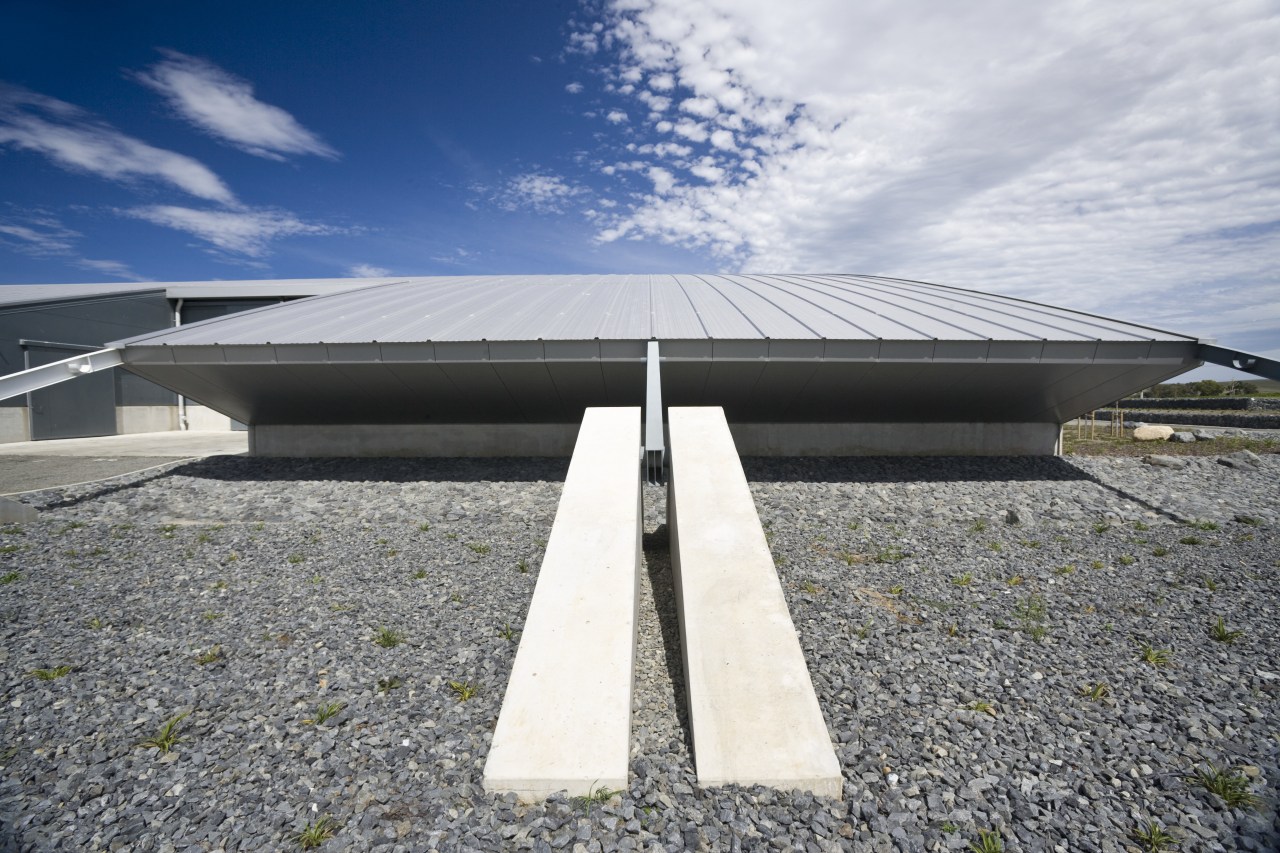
(225, 107)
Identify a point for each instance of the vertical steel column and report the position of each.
(654, 446)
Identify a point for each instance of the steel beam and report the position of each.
(26, 381)
(654, 446)
(1268, 368)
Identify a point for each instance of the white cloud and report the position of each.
(574, 88)
(43, 236)
(243, 232)
(616, 117)
(1093, 154)
(76, 141)
(538, 192)
(367, 271)
(224, 106)
(115, 269)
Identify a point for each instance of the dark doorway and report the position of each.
(83, 407)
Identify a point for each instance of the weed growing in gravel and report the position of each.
(12, 530)
(166, 530)
(478, 547)
(1232, 788)
(325, 712)
(315, 580)
(1249, 520)
(995, 546)
(294, 559)
(851, 558)
(896, 589)
(1156, 657)
(1191, 540)
(1030, 543)
(1097, 564)
(978, 526)
(95, 624)
(1210, 584)
(338, 607)
(210, 615)
(953, 630)
(593, 797)
(982, 707)
(1159, 551)
(863, 631)
(507, 633)
(167, 738)
(892, 554)
(419, 574)
(212, 656)
(963, 580)
(1126, 559)
(10, 577)
(464, 690)
(779, 559)
(453, 537)
(11, 549)
(1152, 837)
(988, 842)
(424, 526)
(1016, 580)
(260, 526)
(313, 835)
(1204, 525)
(456, 598)
(391, 682)
(1064, 570)
(219, 585)
(523, 566)
(1096, 692)
(388, 638)
(1031, 613)
(1101, 527)
(1220, 633)
(853, 525)
(202, 538)
(949, 827)
(50, 674)
(809, 587)
(1138, 525)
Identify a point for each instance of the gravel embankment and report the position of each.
(948, 648)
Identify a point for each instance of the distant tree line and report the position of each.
(1203, 388)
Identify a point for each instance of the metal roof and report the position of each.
(768, 348)
(650, 307)
(31, 294)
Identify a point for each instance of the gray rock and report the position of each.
(1165, 461)
(1183, 437)
(1246, 459)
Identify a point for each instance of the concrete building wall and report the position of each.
(13, 424)
(914, 439)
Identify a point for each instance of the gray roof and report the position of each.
(29, 294)
(769, 348)
(646, 307)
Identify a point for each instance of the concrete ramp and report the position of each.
(565, 723)
(755, 717)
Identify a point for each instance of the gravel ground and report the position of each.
(948, 647)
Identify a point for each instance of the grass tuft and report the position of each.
(388, 638)
(1158, 658)
(988, 842)
(464, 690)
(50, 674)
(167, 738)
(1232, 788)
(1220, 633)
(1152, 837)
(313, 835)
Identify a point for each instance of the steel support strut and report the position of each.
(26, 381)
(654, 446)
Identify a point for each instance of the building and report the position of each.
(505, 365)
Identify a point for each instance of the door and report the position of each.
(82, 407)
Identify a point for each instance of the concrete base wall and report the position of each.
(134, 419)
(13, 424)
(896, 439)
(414, 440)
(204, 419)
(812, 439)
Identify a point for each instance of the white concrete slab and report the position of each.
(565, 723)
(755, 716)
(179, 445)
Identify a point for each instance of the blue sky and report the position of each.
(1115, 158)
